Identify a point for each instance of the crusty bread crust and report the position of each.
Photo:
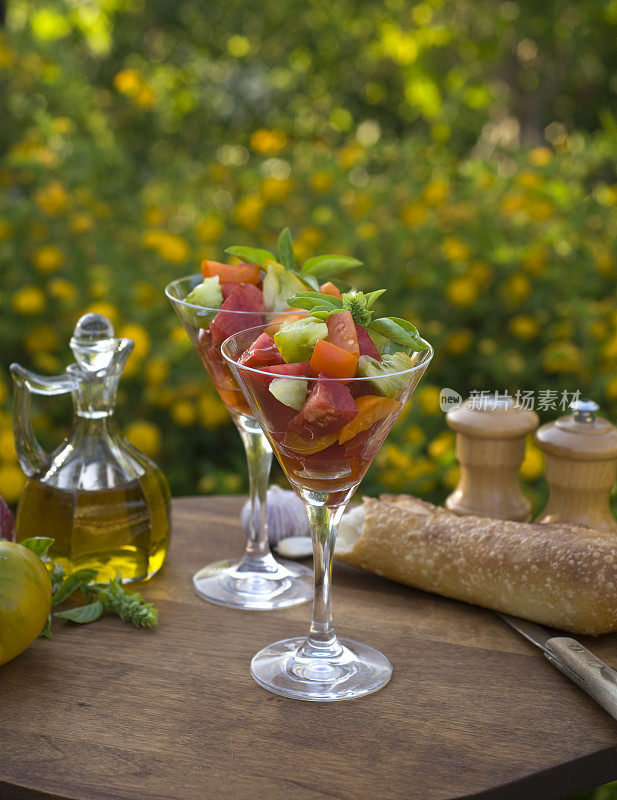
(560, 575)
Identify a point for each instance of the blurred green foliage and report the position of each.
(464, 151)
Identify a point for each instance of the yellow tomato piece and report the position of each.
(308, 447)
(371, 407)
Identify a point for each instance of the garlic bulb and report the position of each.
(286, 515)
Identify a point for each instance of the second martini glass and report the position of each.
(257, 580)
(325, 467)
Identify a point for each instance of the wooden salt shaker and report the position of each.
(490, 445)
(581, 467)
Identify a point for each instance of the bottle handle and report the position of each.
(32, 458)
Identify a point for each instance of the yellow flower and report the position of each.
(156, 370)
(321, 181)
(206, 484)
(516, 288)
(178, 336)
(153, 215)
(562, 357)
(48, 258)
(414, 434)
(533, 463)
(145, 436)
(145, 294)
(452, 476)
(268, 142)
(413, 214)
(512, 203)
(128, 81)
(524, 327)
(459, 341)
(610, 390)
(145, 97)
(81, 223)
(609, 349)
(52, 198)
(247, 212)
(232, 482)
(140, 337)
(5, 230)
(108, 310)
(12, 481)
(209, 229)
(540, 210)
(63, 125)
(168, 245)
(605, 261)
(3, 391)
(528, 179)
(29, 300)
(183, 412)
(367, 230)
(428, 397)
(462, 292)
(435, 192)
(41, 338)
(7, 445)
(535, 261)
(441, 446)
(480, 272)
(350, 155)
(46, 362)
(541, 156)
(356, 203)
(455, 250)
(212, 412)
(275, 190)
(61, 289)
(598, 329)
(311, 236)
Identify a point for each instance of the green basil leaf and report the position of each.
(38, 544)
(286, 250)
(77, 580)
(398, 330)
(252, 255)
(82, 614)
(324, 266)
(310, 300)
(309, 280)
(46, 632)
(371, 298)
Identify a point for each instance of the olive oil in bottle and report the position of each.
(105, 504)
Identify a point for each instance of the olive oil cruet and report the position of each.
(104, 503)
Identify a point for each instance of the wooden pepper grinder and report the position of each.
(490, 445)
(581, 467)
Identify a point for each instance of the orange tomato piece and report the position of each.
(334, 361)
(371, 408)
(308, 447)
(285, 316)
(330, 288)
(230, 273)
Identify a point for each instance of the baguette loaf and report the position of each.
(555, 574)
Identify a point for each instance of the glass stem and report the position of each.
(323, 521)
(257, 555)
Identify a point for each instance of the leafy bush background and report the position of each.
(464, 151)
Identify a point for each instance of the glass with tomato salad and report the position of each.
(326, 390)
(222, 301)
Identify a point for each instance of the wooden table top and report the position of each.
(107, 712)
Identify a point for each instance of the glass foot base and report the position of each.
(356, 671)
(229, 583)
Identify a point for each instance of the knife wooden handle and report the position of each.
(585, 669)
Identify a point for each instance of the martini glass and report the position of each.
(257, 580)
(325, 470)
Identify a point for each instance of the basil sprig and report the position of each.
(312, 271)
(359, 304)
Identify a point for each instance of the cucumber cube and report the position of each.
(296, 340)
(290, 392)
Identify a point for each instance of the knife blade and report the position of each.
(573, 660)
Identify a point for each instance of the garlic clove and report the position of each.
(285, 512)
(295, 547)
